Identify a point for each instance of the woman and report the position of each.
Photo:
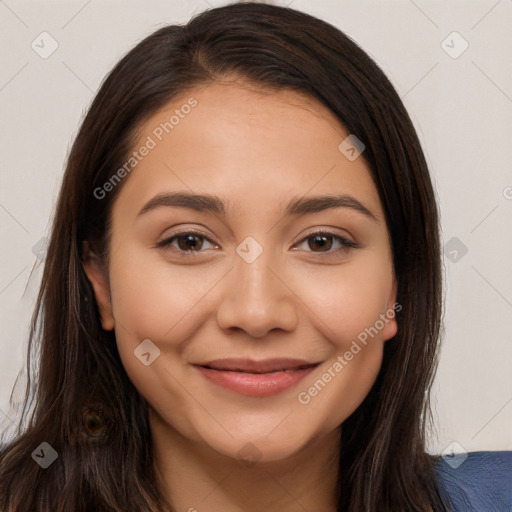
(241, 299)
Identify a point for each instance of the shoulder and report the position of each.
(477, 481)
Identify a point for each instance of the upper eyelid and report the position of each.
(326, 231)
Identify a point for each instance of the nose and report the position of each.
(257, 298)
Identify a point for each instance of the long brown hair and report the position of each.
(87, 409)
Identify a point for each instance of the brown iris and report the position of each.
(190, 242)
(320, 240)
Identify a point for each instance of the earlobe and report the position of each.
(97, 276)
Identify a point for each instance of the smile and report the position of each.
(256, 378)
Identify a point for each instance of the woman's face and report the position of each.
(255, 289)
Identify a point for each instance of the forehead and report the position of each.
(247, 144)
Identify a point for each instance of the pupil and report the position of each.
(189, 241)
(320, 240)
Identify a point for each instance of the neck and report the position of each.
(194, 477)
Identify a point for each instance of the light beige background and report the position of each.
(461, 108)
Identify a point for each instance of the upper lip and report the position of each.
(261, 366)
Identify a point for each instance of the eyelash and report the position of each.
(345, 242)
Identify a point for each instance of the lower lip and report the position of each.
(255, 384)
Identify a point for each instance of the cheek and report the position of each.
(349, 301)
(151, 297)
(153, 300)
(165, 303)
(348, 309)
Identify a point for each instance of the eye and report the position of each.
(325, 240)
(188, 242)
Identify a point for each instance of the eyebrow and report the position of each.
(296, 206)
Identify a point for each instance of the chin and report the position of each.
(252, 449)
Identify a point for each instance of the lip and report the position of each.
(256, 378)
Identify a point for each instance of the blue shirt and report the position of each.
(482, 482)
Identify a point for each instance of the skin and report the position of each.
(256, 150)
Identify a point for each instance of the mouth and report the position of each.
(256, 378)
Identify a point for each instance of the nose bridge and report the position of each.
(252, 265)
(255, 298)
(255, 279)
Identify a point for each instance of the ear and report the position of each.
(391, 326)
(97, 275)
